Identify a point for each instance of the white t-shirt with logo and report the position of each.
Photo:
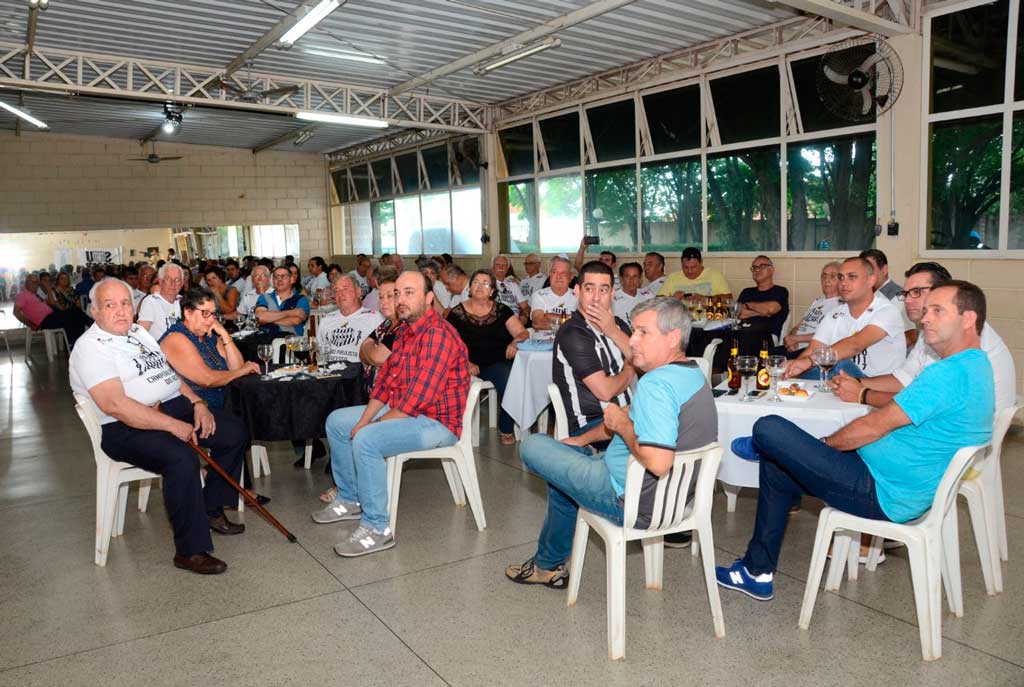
(882, 357)
(623, 303)
(161, 313)
(1003, 369)
(548, 301)
(247, 303)
(529, 285)
(342, 335)
(135, 359)
(819, 308)
(137, 297)
(510, 294)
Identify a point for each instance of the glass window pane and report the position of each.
(467, 159)
(611, 207)
(517, 147)
(831, 194)
(562, 140)
(813, 114)
(383, 216)
(437, 222)
(1015, 240)
(291, 239)
(360, 228)
(966, 159)
(1018, 87)
(521, 198)
(737, 97)
(613, 130)
(408, 234)
(436, 162)
(466, 222)
(361, 180)
(968, 57)
(744, 192)
(673, 118)
(671, 204)
(561, 213)
(382, 175)
(408, 172)
(341, 184)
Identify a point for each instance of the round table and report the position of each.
(277, 410)
(526, 394)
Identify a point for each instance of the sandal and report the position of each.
(329, 495)
(508, 438)
(528, 573)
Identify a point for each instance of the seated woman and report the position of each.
(204, 355)
(62, 296)
(296, 276)
(490, 331)
(226, 296)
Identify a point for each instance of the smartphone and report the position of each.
(591, 240)
(720, 392)
(756, 394)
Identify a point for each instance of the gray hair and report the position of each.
(672, 315)
(170, 266)
(109, 280)
(559, 258)
(351, 280)
(834, 263)
(262, 268)
(429, 264)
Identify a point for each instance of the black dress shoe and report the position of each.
(201, 563)
(260, 499)
(221, 525)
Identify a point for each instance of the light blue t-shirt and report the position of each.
(673, 408)
(950, 405)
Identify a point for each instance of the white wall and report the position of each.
(33, 251)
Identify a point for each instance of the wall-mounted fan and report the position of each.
(860, 79)
(153, 158)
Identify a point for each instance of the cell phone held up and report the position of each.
(591, 240)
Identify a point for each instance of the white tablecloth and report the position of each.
(820, 415)
(526, 394)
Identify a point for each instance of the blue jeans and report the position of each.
(793, 463)
(574, 479)
(846, 365)
(498, 374)
(358, 464)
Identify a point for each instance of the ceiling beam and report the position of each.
(270, 37)
(847, 16)
(284, 138)
(30, 33)
(594, 9)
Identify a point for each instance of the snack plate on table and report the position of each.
(796, 392)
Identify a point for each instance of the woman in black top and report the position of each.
(490, 331)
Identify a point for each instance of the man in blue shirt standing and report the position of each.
(885, 465)
(673, 410)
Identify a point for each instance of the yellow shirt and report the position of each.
(711, 282)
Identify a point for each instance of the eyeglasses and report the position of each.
(760, 266)
(532, 262)
(207, 314)
(480, 282)
(916, 292)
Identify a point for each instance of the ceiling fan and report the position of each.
(153, 158)
(250, 93)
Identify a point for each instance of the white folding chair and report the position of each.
(561, 419)
(458, 462)
(672, 513)
(52, 339)
(492, 409)
(925, 538)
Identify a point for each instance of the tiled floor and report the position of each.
(436, 609)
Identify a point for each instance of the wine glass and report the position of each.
(776, 368)
(825, 358)
(554, 322)
(747, 366)
(734, 309)
(265, 352)
(302, 350)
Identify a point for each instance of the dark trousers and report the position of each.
(497, 373)
(793, 463)
(188, 503)
(73, 321)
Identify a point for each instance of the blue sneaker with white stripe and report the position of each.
(737, 577)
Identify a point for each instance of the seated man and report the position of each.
(341, 333)
(456, 282)
(654, 271)
(878, 391)
(417, 403)
(887, 464)
(890, 289)
(673, 410)
(695, 280)
(282, 309)
(801, 334)
(631, 293)
(30, 310)
(149, 416)
(556, 299)
(260, 280)
(509, 293)
(766, 303)
(606, 256)
(865, 330)
(534, 279)
(160, 310)
(361, 273)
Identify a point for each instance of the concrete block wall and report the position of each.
(54, 182)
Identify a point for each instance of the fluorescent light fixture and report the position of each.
(312, 18)
(24, 115)
(517, 53)
(328, 118)
(338, 55)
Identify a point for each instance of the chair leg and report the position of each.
(579, 554)
(106, 505)
(654, 562)
(492, 408)
(988, 485)
(51, 343)
(476, 425)
(999, 510)
(257, 463)
(394, 468)
(708, 561)
(616, 586)
(976, 507)
(122, 506)
(731, 492)
(853, 557)
(918, 555)
(821, 540)
(874, 554)
(471, 484)
(309, 455)
(454, 482)
(840, 551)
(542, 421)
(241, 499)
(28, 343)
(144, 488)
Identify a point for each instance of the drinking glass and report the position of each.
(747, 366)
(825, 358)
(265, 352)
(554, 322)
(776, 368)
(302, 350)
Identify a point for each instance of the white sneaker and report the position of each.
(336, 511)
(365, 540)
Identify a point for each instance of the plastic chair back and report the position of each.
(945, 494)
(561, 419)
(92, 426)
(469, 414)
(282, 356)
(674, 487)
(709, 352)
(704, 366)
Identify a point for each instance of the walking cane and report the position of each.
(245, 495)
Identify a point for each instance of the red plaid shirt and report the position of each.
(427, 372)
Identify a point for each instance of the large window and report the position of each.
(974, 128)
(611, 207)
(275, 240)
(671, 204)
(743, 200)
(520, 216)
(561, 213)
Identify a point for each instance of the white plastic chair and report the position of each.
(282, 356)
(709, 356)
(561, 419)
(112, 480)
(10, 357)
(777, 338)
(492, 409)
(52, 339)
(671, 514)
(925, 538)
(704, 366)
(458, 462)
(260, 461)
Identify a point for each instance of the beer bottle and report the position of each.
(735, 381)
(763, 378)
